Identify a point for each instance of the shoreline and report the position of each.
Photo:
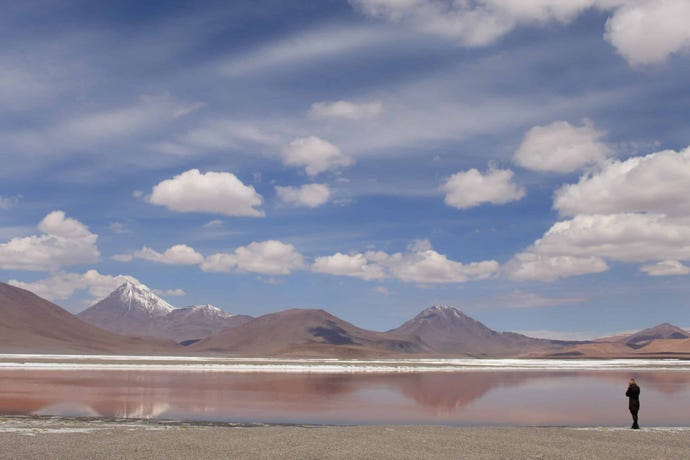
(98, 438)
(39, 362)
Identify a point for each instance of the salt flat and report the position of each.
(54, 438)
(331, 366)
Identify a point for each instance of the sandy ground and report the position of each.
(59, 438)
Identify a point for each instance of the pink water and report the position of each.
(571, 398)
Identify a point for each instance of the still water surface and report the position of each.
(503, 397)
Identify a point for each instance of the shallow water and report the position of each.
(490, 396)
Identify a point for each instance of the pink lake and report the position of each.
(515, 397)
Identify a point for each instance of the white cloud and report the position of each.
(666, 268)
(212, 192)
(424, 265)
(23, 86)
(170, 292)
(346, 109)
(648, 31)
(302, 48)
(582, 244)
(561, 147)
(118, 227)
(521, 299)
(632, 211)
(179, 254)
(355, 265)
(476, 23)
(536, 267)
(64, 241)
(310, 195)
(642, 31)
(225, 133)
(63, 285)
(622, 237)
(96, 127)
(84, 131)
(656, 183)
(267, 257)
(316, 155)
(8, 202)
(421, 264)
(215, 223)
(382, 290)
(471, 188)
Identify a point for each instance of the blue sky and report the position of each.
(525, 161)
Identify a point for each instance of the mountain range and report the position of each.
(133, 320)
(133, 309)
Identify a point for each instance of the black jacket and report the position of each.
(633, 391)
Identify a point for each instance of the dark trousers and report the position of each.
(634, 407)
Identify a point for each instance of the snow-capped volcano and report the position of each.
(139, 298)
(133, 309)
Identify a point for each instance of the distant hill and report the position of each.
(449, 331)
(300, 332)
(663, 340)
(662, 331)
(31, 324)
(133, 309)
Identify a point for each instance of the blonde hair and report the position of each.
(631, 381)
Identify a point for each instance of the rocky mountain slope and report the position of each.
(31, 324)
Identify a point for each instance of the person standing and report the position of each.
(633, 395)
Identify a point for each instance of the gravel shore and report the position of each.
(63, 438)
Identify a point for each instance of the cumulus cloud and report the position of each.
(354, 265)
(561, 147)
(666, 268)
(310, 195)
(179, 254)
(642, 31)
(582, 244)
(212, 192)
(315, 155)
(63, 285)
(471, 188)
(346, 109)
(648, 31)
(267, 257)
(656, 183)
(64, 241)
(633, 211)
(420, 264)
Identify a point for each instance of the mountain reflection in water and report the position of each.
(485, 398)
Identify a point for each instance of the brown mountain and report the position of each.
(133, 309)
(300, 332)
(191, 324)
(660, 341)
(662, 331)
(449, 331)
(31, 324)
